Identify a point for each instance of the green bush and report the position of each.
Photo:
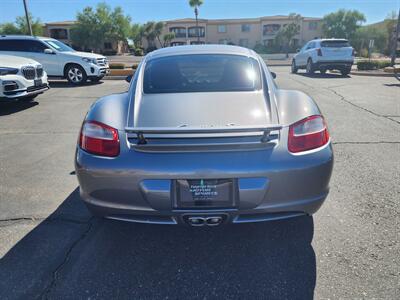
(364, 65)
(117, 66)
(138, 52)
(134, 66)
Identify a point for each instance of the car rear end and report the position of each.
(195, 153)
(335, 54)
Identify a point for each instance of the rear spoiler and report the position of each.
(142, 131)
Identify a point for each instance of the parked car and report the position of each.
(21, 78)
(58, 59)
(204, 136)
(323, 55)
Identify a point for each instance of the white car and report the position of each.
(58, 59)
(323, 55)
(21, 78)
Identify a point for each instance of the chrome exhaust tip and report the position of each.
(196, 221)
(205, 221)
(213, 221)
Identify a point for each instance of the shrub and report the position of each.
(151, 48)
(364, 65)
(138, 52)
(135, 65)
(109, 52)
(117, 66)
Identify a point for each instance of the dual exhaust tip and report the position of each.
(205, 221)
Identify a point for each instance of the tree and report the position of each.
(94, 27)
(20, 26)
(137, 34)
(158, 28)
(363, 35)
(196, 4)
(286, 34)
(342, 24)
(152, 31)
(167, 38)
(149, 34)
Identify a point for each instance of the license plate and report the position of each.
(205, 193)
(38, 82)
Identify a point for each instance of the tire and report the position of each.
(294, 68)
(310, 67)
(323, 71)
(76, 75)
(345, 71)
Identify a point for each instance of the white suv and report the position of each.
(323, 55)
(58, 59)
(21, 78)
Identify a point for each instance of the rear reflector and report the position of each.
(308, 134)
(100, 139)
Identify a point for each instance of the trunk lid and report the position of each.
(206, 110)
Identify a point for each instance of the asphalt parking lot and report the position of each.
(50, 246)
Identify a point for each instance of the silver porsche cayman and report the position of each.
(204, 137)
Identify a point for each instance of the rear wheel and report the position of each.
(310, 67)
(294, 68)
(76, 74)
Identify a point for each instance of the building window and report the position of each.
(244, 42)
(313, 25)
(270, 29)
(221, 28)
(177, 44)
(246, 27)
(180, 32)
(197, 43)
(107, 46)
(59, 34)
(192, 31)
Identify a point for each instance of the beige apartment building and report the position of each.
(242, 32)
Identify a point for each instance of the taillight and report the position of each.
(308, 134)
(319, 51)
(100, 139)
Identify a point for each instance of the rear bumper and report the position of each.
(233, 216)
(268, 184)
(339, 64)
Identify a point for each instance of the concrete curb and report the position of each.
(114, 78)
(372, 74)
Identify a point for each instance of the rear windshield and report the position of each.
(335, 44)
(201, 73)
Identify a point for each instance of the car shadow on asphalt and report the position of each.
(324, 76)
(12, 107)
(392, 84)
(71, 255)
(65, 84)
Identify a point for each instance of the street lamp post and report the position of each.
(28, 22)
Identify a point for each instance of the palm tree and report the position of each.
(196, 4)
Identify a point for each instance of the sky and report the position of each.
(142, 11)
